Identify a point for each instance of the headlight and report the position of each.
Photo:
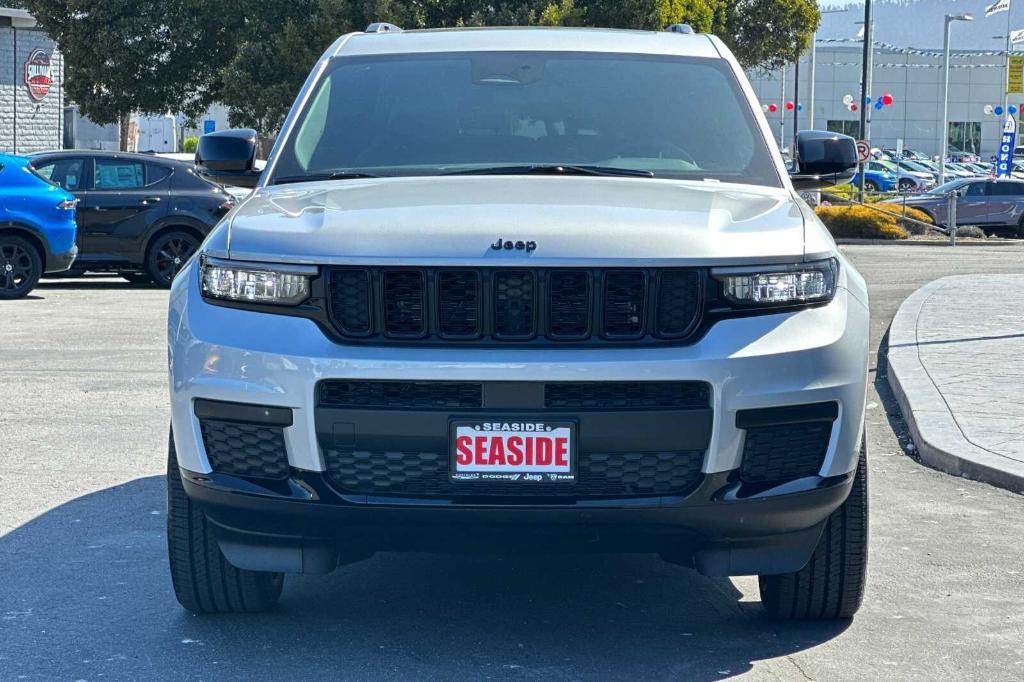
(267, 283)
(779, 285)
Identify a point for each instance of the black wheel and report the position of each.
(168, 254)
(1020, 229)
(870, 186)
(20, 267)
(204, 581)
(135, 277)
(905, 185)
(831, 585)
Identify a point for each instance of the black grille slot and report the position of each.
(624, 296)
(678, 302)
(679, 395)
(350, 301)
(568, 304)
(251, 450)
(527, 306)
(458, 295)
(404, 304)
(514, 304)
(782, 452)
(600, 475)
(404, 394)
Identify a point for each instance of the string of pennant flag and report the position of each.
(928, 53)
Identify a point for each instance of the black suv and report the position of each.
(138, 215)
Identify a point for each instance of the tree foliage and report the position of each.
(253, 55)
(151, 56)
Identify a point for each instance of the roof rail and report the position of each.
(382, 27)
(685, 29)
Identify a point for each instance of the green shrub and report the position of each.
(190, 144)
(859, 222)
(970, 231)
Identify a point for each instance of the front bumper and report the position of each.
(817, 355)
(722, 528)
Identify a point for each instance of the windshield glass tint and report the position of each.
(435, 113)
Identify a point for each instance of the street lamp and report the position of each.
(943, 133)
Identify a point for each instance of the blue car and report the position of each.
(875, 181)
(37, 227)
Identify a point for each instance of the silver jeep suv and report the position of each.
(520, 290)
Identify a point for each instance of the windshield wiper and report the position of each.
(334, 175)
(555, 169)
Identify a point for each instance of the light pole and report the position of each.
(943, 133)
(867, 66)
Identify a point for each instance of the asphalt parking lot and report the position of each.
(85, 592)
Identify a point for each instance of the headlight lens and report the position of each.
(255, 282)
(779, 285)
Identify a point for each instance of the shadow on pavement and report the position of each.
(85, 591)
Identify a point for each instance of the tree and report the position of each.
(150, 56)
(761, 33)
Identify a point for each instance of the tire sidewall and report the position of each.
(152, 271)
(34, 275)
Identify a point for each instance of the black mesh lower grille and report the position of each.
(406, 394)
(782, 452)
(627, 395)
(600, 475)
(251, 450)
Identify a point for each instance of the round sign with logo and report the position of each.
(38, 75)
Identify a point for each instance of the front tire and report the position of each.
(20, 267)
(204, 581)
(870, 186)
(906, 185)
(168, 254)
(831, 585)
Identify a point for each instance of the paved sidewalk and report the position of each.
(956, 366)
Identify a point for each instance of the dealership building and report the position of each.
(31, 86)
(913, 77)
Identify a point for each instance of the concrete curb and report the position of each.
(910, 242)
(938, 438)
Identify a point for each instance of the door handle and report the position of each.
(150, 200)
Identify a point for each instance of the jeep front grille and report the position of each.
(524, 305)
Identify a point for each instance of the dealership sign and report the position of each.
(38, 77)
(1004, 160)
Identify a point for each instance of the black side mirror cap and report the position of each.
(228, 157)
(823, 159)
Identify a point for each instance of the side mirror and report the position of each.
(823, 159)
(228, 157)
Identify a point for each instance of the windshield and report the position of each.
(914, 166)
(428, 114)
(947, 187)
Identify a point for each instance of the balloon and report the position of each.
(988, 110)
(800, 107)
(853, 107)
(847, 100)
(867, 100)
(764, 108)
(772, 108)
(999, 111)
(887, 99)
(1013, 110)
(879, 105)
(789, 106)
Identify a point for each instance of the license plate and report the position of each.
(513, 450)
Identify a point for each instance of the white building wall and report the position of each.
(917, 110)
(27, 126)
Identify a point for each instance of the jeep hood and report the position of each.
(573, 220)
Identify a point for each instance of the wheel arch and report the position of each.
(30, 234)
(175, 226)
